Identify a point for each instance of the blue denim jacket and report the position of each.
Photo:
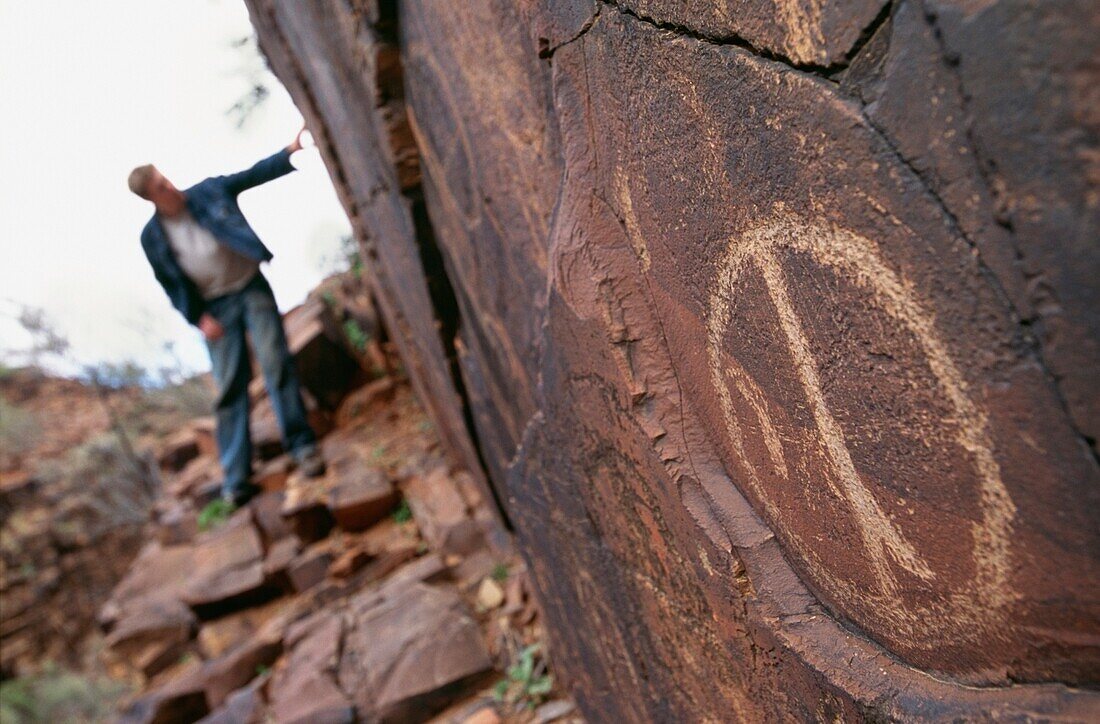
(213, 204)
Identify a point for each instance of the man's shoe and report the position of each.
(311, 464)
(242, 495)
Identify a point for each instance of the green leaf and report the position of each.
(541, 686)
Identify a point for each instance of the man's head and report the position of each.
(150, 184)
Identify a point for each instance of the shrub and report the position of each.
(18, 429)
(57, 696)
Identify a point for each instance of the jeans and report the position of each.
(253, 309)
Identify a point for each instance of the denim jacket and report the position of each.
(213, 204)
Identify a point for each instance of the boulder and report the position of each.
(305, 509)
(235, 668)
(273, 474)
(441, 512)
(322, 362)
(196, 479)
(179, 449)
(279, 557)
(243, 706)
(224, 634)
(151, 633)
(412, 651)
(361, 495)
(159, 573)
(226, 568)
(303, 689)
(351, 560)
(177, 523)
(179, 701)
(267, 514)
(310, 567)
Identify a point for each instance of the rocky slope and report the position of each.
(73, 502)
(772, 328)
(383, 591)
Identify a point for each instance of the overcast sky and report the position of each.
(91, 89)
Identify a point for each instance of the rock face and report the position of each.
(773, 327)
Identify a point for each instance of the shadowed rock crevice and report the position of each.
(440, 287)
(449, 315)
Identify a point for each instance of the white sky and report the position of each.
(91, 89)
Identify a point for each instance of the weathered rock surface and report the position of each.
(402, 649)
(362, 495)
(775, 328)
(441, 512)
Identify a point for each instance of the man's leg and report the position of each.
(269, 340)
(232, 373)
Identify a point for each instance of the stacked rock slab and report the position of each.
(315, 602)
(775, 327)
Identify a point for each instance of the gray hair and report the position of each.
(139, 179)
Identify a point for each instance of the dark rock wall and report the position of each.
(774, 327)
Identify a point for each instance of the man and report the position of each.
(207, 258)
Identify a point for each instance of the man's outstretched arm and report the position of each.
(269, 169)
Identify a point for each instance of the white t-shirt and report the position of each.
(212, 266)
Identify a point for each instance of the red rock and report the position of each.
(151, 634)
(226, 568)
(554, 710)
(180, 701)
(205, 436)
(267, 513)
(197, 475)
(470, 570)
(273, 474)
(243, 706)
(309, 568)
(469, 490)
(384, 564)
(303, 690)
(178, 450)
(158, 573)
(323, 364)
(362, 399)
(237, 667)
(410, 651)
(485, 715)
(388, 534)
(304, 507)
(177, 524)
(224, 634)
(361, 495)
(350, 561)
(441, 513)
(279, 557)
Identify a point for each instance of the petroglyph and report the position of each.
(858, 260)
(630, 220)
